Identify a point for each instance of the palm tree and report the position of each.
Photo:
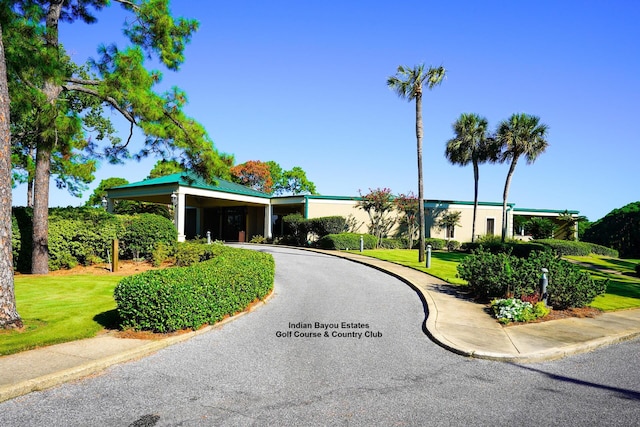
(472, 144)
(519, 135)
(407, 83)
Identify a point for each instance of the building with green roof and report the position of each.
(232, 212)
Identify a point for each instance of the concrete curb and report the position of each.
(431, 329)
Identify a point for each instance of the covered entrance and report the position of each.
(228, 211)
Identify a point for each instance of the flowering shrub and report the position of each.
(515, 310)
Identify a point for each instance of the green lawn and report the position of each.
(624, 287)
(58, 309)
(623, 291)
(443, 264)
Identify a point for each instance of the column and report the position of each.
(179, 215)
(268, 215)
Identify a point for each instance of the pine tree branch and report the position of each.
(111, 101)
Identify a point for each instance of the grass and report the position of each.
(622, 293)
(443, 264)
(58, 309)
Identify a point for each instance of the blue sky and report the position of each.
(304, 83)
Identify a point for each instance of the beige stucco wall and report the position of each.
(433, 211)
(462, 233)
(318, 208)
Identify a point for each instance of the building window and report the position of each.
(450, 231)
(491, 226)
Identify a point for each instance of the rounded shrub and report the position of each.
(142, 232)
(327, 225)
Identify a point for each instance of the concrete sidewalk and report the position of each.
(464, 327)
(453, 322)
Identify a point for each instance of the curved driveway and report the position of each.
(255, 371)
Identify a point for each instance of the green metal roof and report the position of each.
(554, 211)
(188, 179)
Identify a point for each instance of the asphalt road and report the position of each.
(371, 364)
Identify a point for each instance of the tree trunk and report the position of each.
(476, 178)
(504, 197)
(420, 181)
(9, 317)
(40, 254)
(30, 178)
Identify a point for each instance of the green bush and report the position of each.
(436, 244)
(188, 253)
(453, 245)
(327, 225)
(539, 228)
(513, 247)
(387, 243)
(258, 238)
(142, 232)
(603, 250)
(15, 239)
(82, 239)
(497, 275)
(344, 241)
(296, 228)
(566, 247)
(189, 297)
(638, 270)
(160, 254)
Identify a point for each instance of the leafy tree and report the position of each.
(254, 174)
(9, 317)
(277, 175)
(408, 205)
(449, 221)
(101, 190)
(619, 229)
(378, 204)
(165, 167)
(471, 144)
(44, 77)
(295, 182)
(519, 135)
(125, 207)
(407, 83)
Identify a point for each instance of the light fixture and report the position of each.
(174, 199)
(105, 202)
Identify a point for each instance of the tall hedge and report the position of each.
(83, 236)
(143, 231)
(619, 229)
(189, 297)
(347, 241)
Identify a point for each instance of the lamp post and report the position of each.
(104, 202)
(174, 199)
(544, 282)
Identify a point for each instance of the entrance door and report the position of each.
(233, 220)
